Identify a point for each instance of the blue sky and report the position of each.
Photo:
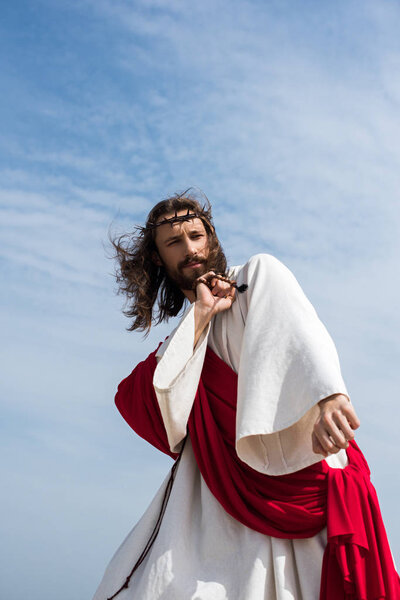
(286, 115)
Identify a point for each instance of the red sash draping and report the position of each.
(137, 402)
(357, 562)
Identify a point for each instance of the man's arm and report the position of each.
(337, 419)
(179, 368)
(289, 359)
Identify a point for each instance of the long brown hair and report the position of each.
(142, 281)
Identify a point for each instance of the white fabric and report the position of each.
(285, 359)
(286, 362)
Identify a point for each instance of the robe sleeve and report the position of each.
(288, 363)
(177, 377)
(137, 402)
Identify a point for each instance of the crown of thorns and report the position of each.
(176, 219)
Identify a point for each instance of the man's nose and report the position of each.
(189, 246)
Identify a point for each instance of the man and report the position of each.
(269, 496)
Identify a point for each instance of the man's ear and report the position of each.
(155, 257)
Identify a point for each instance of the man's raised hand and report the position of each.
(212, 296)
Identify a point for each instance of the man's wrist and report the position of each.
(202, 317)
(333, 397)
(204, 311)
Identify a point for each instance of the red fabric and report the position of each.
(357, 562)
(137, 402)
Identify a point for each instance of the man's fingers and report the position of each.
(223, 292)
(327, 444)
(343, 424)
(334, 432)
(209, 276)
(218, 287)
(351, 416)
(333, 436)
(317, 448)
(222, 289)
(329, 437)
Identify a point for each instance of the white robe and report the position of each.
(286, 362)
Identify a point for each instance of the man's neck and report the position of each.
(190, 295)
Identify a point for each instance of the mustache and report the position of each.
(192, 259)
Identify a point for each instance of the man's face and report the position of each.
(183, 249)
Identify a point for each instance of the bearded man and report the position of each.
(269, 496)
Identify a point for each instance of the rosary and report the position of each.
(240, 288)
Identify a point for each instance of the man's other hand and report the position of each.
(335, 425)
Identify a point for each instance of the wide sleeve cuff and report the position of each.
(288, 450)
(177, 376)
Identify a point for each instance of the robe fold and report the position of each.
(203, 551)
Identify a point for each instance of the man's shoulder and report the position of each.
(261, 261)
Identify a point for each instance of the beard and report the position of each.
(186, 281)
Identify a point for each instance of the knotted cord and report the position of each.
(157, 526)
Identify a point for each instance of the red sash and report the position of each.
(357, 562)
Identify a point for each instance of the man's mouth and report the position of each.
(197, 262)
